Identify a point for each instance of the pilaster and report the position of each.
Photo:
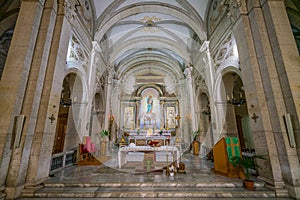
(41, 150)
(264, 98)
(286, 63)
(111, 74)
(12, 93)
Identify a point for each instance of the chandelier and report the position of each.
(206, 110)
(236, 98)
(65, 99)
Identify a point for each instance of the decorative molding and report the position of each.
(129, 78)
(85, 12)
(216, 12)
(235, 8)
(77, 53)
(226, 51)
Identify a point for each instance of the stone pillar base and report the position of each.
(13, 192)
(31, 187)
(294, 191)
(2, 193)
(278, 187)
(28, 191)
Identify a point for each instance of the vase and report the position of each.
(196, 147)
(103, 143)
(248, 184)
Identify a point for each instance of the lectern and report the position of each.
(226, 148)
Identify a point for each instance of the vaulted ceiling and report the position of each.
(154, 29)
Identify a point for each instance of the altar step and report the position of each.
(150, 190)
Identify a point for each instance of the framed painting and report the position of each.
(170, 114)
(129, 117)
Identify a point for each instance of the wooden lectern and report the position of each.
(226, 148)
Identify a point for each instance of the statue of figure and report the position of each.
(129, 120)
(171, 119)
(149, 104)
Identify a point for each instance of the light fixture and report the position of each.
(65, 99)
(236, 98)
(206, 110)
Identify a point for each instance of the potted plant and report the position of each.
(247, 163)
(104, 134)
(195, 143)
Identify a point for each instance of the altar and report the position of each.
(166, 154)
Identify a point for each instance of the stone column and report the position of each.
(283, 72)
(43, 141)
(111, 73)
(218, 112)
(188, 75)
(137, 107)
(162, 114)
(261, 89)
(184, 129)
(92, 84)
(114, 109)
(13, 91)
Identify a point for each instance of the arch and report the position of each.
(141, 89)
(156, 42)
(148, 67)
(82, 76)
(146, 7)
(179, 41)
(219, 80)
(157, 60)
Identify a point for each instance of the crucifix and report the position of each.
(52, 118)
(177, 138)
(254, 117)
(177, 119)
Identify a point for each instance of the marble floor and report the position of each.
(107, 181)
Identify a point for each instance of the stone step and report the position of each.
(149, 190)
(91, 192)
(158, 184)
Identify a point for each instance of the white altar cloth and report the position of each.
(168, 149)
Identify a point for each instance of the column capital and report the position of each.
(96, 46)
(188, 72)
(111, 74)
(204, 47)
(235, 8)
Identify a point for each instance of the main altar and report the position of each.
(149, 113)
(150, 117)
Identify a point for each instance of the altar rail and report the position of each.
(63, 159)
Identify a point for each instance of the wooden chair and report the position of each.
(86, 151)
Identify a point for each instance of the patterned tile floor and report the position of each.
(197, 171)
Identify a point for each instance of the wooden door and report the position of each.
(60, 134)
(240, 131)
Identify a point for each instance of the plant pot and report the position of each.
(196, 147)
(248, 184)
(103, 147)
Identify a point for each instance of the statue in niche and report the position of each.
(129, 118)
(171, 117)
(149, 104)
